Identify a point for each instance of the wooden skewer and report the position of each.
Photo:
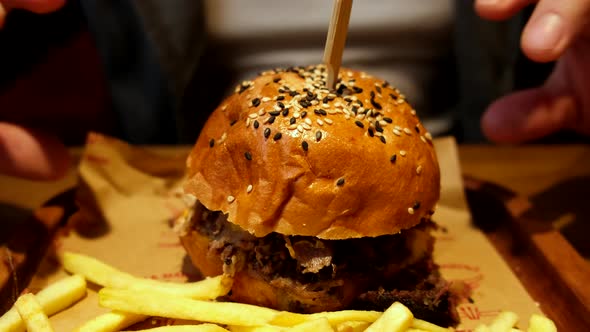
(336, 39)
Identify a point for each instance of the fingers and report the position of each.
(2, 15)
(528, 115)
(500, 9)
(35, 6)
(29, 154)
(553, 27)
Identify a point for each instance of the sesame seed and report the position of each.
(277, 136)
(285, 112)
(419, 169)
(292, 127)
(253, 116)
(410, 210)
(265, 99)
(340, 182)
(417, 129)
(388, 120)
(274, 113)
(304, 145)
(255, 102)
(320, 122)
(211, 143)
(359, 124)
(318, 135)
(413, 112)
(396, 132)
(256, 124)
(281, 97)
(280, 105)
(428, 136)
(328, 121)
(303, 114)
(230, 198)
(296, 115)
(306, 126)
(261, 112)
(402, 153)
(393, 159)
(266, 132)
(248, 155)
(271, 119)
(371, 132)
(382, 139)
(416, 205)
(300, 128)
(292, 120)
(407, 131)
(233, 122)
(249, 188)
(422, 139)
(223, 138)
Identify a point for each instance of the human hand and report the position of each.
(557, 30)
(31, 154)
(35, 6)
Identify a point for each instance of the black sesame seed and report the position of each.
(393, 96)
(371, 132)
(266, 132)
(355, 109)
(248, 155)
(281, 97)
(416, 205)
(281, 90)
(305, 89)
(325, 100)
(304, 145)
(309, 93)
(317, 111)
(285, 112)
(378, 89)
(356, 89)
(293, 93)
(372, 94)
(292, 120)
(303, 114)
(211, 143)
(277, 136)
(360, 124)
(323, 112)
(417, 129)
(376, 104)
(340, 182)
(393, 159)
(233, 122)
(276, 79)
(304, 103)
(385, 84)
(382, 138)
(388, 120)
(255, 102)
(274, 113)
(318, 135)
(256, 124)
(272, 119)
(280, 104)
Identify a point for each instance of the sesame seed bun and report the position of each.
(283, 154)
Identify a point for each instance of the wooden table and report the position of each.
(535, 185)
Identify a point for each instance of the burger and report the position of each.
(316, 199)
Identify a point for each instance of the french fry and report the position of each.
(504, 322)
(285, 318)
(32, 314)
(539, 323)
(108, 276)
(262, 328)
(317, 325)
(396, 318)
(111, 322)
(154, 304)
(54, 298)
(187, 328)
(420, 324)
(352, 326)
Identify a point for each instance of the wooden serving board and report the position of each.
(550, 268)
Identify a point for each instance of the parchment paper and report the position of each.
(137, 193)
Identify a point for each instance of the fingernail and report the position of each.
(545, 32)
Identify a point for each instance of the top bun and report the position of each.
(284, 154)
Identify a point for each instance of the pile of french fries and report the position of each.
(134, 299)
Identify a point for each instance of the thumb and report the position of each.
(31, 154)
(528, 115)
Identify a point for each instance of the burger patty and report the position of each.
(384, 269)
